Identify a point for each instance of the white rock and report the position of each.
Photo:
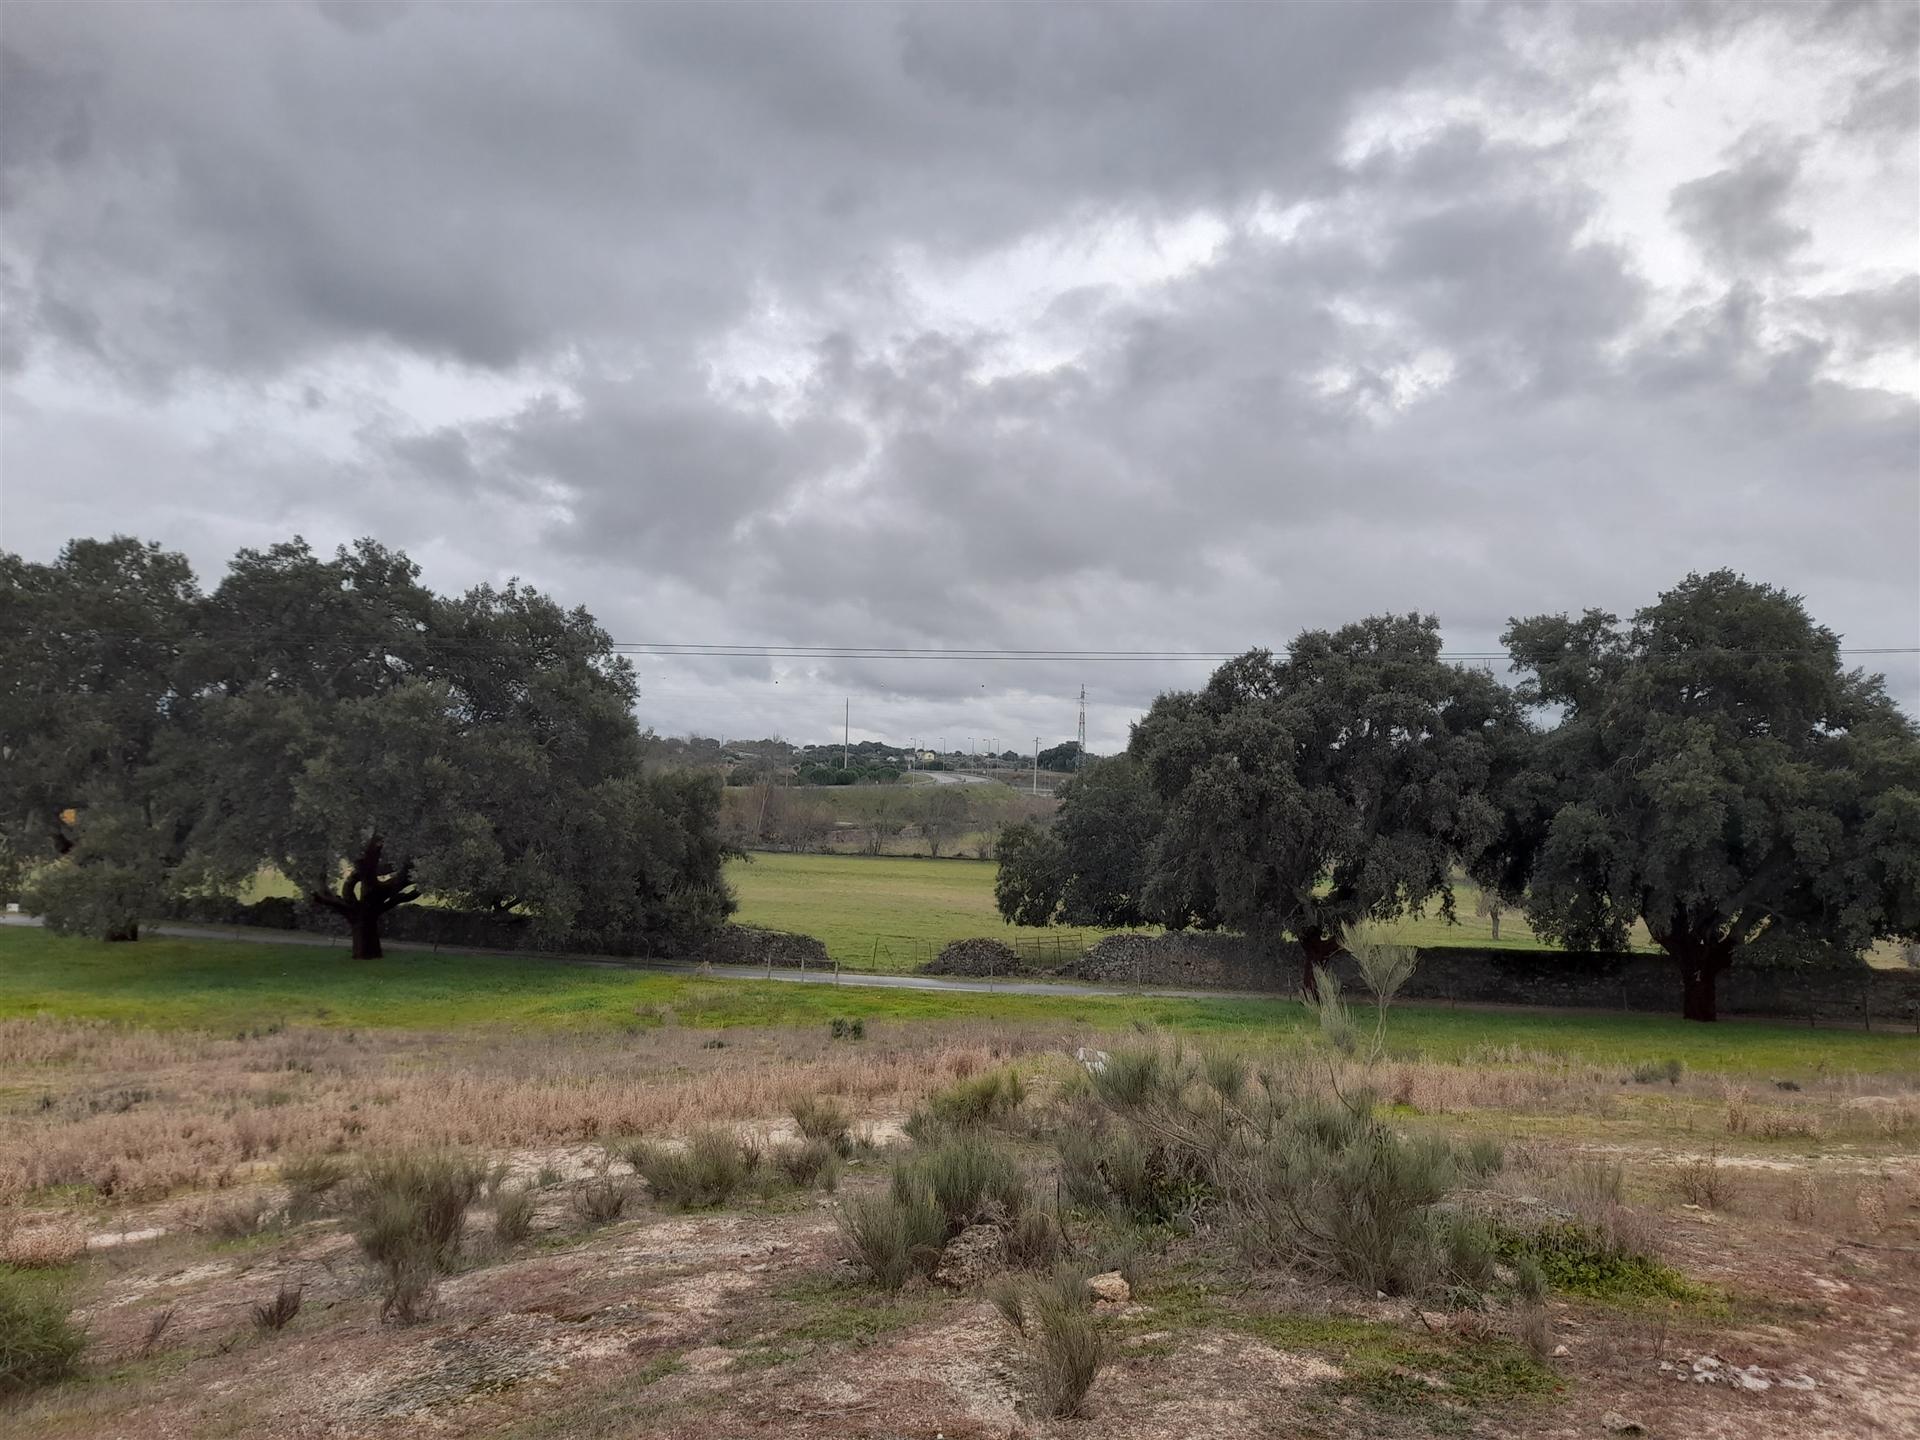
(1111, 1287)
(1560, 1352)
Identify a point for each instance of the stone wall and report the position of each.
(1853, 991)
(729, 944)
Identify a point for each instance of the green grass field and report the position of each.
(891, 914)
(879, 912)
(234, 986)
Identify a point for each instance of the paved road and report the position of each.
(954, 777)
(1065, 988)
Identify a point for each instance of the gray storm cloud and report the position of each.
(1110, 327)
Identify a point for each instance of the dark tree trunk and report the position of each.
(1317, 952)
(1701, 959)
(364, 924)
(371, 888)
(125, 932)
(1697, 999)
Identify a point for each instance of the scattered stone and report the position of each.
(1560, 1352)
(1095, 1061)
(1621, 1425)
(970, 1257)
(1110, 1288)
(1798, 1382)
(1751, 1378)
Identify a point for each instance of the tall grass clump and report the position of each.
(989, 1099)
(894, 1236)
(513, 1214)
(39, 1340)
(310, 1180)
(601, 1199)
(1117, 1170)
(1654, 1071)
(968, 1177)
(810, 1165)
(1065, 1348)
(822, 1119)
(1334, 1190)
(1298, 1172)
(407, 1213)
(715, 1165)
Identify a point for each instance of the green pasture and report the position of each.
(882, 912)
(234, 986)
(877, 911)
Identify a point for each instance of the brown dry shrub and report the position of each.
(220, 1121)
(43, 1245)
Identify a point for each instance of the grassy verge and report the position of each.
(236, 985)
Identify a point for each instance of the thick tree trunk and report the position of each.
(1701, 959)
(1697, 999)
(1317, 951)
(368, 892)
(364, 924)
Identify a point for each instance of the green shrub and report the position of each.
(310, 1179)
(513, 1214)
(968, 1177)
(894, 1236)
(1227, 1074)
(601, 1200)
(239, 1219)
(1577, 1260)
(819, 1118)
(1134, 1079)
(812, 1164)
(1065, 1348)
(1483, 1156)
(841, 1028)
(712, 1168)
(989, 1099)
(1467, 1255)
(407, 1213)
(39, 1341)
(1033, 1239)
(1116, 1170)
(1654, 1071)
(102, 899)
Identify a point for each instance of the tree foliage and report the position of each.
(1340, 783)
(1091, 866)
(90, 700)
(1716, 773)
(337, 720)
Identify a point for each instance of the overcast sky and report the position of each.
(1134, 328)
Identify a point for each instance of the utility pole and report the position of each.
(1080, 758)
(1036, 764)
(846, 730)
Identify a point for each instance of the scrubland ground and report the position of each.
(1719, 1255)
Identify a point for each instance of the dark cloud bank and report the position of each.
(1084, 326)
